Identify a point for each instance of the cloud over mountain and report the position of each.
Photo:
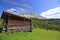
(52, 13)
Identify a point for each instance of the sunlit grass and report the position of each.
(1, 23)
(36, 34)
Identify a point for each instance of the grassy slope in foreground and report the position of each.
(1, 21)
(37, 34)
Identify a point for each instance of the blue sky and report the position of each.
(34, 6)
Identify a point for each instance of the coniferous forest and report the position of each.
(49, 24)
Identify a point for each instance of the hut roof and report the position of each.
(7, 14)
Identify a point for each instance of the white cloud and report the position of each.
(52, 13)
(11, 10)
(17, 10)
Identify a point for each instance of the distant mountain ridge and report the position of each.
(29, 15)
(32, 16)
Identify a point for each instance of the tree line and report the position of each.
(49, 24)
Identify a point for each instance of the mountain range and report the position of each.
(32, 16)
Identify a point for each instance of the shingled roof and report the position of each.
(7, 14)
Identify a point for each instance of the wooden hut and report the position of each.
(15, 23)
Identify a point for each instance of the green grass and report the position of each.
(1, 21)
(36, 34)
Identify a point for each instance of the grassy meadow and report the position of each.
(36, 34)
(1, 21)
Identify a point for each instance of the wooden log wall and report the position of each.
(14, 25)
(15, 22)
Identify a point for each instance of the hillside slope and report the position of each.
(36, 34)
(52, 24)
(1, 22)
